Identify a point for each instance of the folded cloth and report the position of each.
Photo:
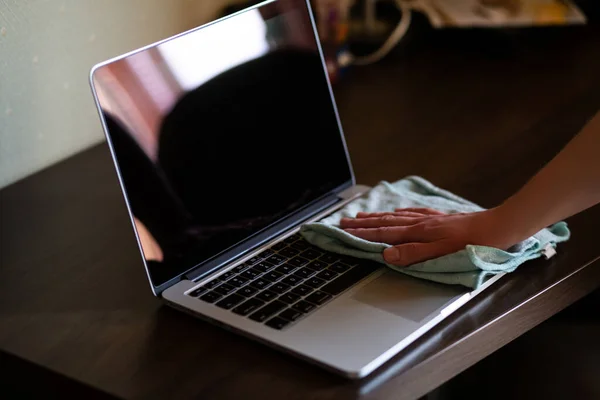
(470, 267)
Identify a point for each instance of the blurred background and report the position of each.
(47, 48)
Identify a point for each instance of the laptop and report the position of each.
(226, 139)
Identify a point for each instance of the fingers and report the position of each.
(408, 254)
(378, 221)
(382, 214)
(403, 212)
(423, 211)
(390, 234)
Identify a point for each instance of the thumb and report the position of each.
(412, 253)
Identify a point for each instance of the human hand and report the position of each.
(420, 234)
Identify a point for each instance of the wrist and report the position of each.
(514, 223)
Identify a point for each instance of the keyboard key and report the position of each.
(290, 314)
(279, 287)
(272, 276)
(240, 268)
(250, 274)
(256, 270)
(304, 306)
(198, 292)
(277, 323)
(329, 258)
(260, 283)
(277, 259)
(268, 310)
(266, 295)
(314, 282)
(264, 266)
(283, 269)
(311, 254)
(248, 306)
(298, 262)
(339, 268)
(237, 281)
(289, 298)
(247, 291)
(300, 245)
(292, 280)
(254, 260)
(286, 268)
(227, 275)
(305, 273)
(318, 298)
(279, 246)
(224, 289)
(302, 290)
(327, 275)
(292, 238)
(213, 283)
(348, 279)
(289, 252)
(231, 301)
(266, 254)
(211, 297)
(317, 265)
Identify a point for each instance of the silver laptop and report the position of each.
(226, 139)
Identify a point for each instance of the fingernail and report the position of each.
(391, 254)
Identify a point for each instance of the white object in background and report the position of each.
(346, 58)
(514, 13)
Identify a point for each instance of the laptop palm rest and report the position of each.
(407, 297)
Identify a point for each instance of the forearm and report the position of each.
(570, 183)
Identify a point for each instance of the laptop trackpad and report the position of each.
(407, 297)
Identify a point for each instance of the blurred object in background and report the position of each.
(380, 24)
(333, 18)
(501, 13)
(377, 26)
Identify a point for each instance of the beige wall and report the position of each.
(47, 48)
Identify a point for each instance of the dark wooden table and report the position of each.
(475, 112)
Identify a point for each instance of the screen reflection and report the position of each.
(222, 132)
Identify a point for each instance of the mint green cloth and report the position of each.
(470, 267)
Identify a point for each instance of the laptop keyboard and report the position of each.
(284, 283)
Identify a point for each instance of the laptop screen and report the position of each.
(220, 133)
